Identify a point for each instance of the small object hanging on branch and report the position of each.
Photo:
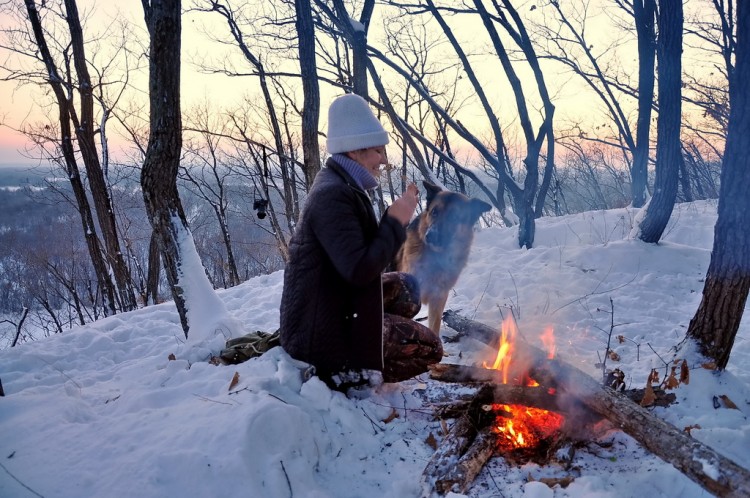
(260, 205)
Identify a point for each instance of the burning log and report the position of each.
(536, 396)
(711, 470)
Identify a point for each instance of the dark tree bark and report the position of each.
(668, 150)
(644, 13)
(718, 317)
(310, 90)
(358, 40)
(66, 112)
(161, 164)
(19, 327)
(154, 269)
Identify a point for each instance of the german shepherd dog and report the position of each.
(437, 246)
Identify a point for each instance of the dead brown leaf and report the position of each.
(728, 402)
(672, 382)
(171, 357)
(684, 373)
(709, 365)
(564, 482)
(648, 396)
(614, 356)
(393, 415)
(431, 441)
(690, 428)
(621, 339)
(653, 377)
(235, 380)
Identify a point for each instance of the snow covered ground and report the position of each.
(101, 411)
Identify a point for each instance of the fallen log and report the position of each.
(699, 462)
(462, 474)
(464, 450)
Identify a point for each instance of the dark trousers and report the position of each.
(408, 346)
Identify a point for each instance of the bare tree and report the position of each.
(17, 325)
(230, 15)
(310, 89)
(644, 12)
(160, 168)
(668, 151)
(84, 130)
(208, 178)
(528, 199)
(715, 324)
(566, 42)
(67, 115)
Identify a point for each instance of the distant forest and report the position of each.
(43, 259)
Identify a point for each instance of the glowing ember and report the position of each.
(527, 428)
(521, 426)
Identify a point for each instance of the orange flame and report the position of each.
(548, 339)
(506, 348)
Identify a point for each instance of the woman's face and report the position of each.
(370, 158)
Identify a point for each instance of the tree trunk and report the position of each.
(161, 164)
(644, 12)
(310, 90)
(19, 327)
(718, 317)
(668, 150)
(84, 130)
(221, 216)
(526, 222)
(154, 269)
(66, 144)
(358, 41)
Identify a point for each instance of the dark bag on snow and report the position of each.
(248, 346)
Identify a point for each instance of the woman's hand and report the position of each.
(403, 208)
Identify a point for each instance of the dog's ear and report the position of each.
(478, 207)
(432, 190)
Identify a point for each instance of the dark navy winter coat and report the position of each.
(332, 302)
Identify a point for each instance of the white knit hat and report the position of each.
(353, 126)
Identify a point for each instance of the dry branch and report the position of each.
(702, 464)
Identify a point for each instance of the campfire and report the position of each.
(525, 404)
(524, 432)
(512, 415)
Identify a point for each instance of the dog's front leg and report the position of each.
(435, 307)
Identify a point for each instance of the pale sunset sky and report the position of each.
(22, 105)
